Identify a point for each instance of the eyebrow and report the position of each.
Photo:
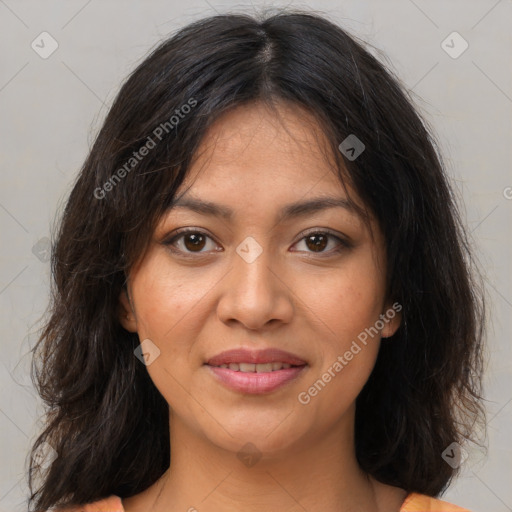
(292, 210)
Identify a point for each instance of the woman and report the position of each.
(263, 297)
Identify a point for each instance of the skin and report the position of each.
(313, 304)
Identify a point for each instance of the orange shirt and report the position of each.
(413, 503)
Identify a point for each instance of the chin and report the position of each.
(263, 437)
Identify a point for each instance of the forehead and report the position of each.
(253, 148)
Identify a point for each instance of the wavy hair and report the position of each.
(105, 420)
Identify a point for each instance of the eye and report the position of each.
(189, 240)
(317, 241)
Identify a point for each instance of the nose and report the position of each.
(255, 294)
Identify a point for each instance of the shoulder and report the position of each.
(413, 503)
(111, 504)
(422, 503)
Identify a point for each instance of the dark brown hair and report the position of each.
(106, 420)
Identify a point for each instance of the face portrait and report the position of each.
(253, 270)
(265, 294)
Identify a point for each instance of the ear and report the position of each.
(392, 318)
(126, 313)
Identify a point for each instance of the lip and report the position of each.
(243, 355)
(255, 382)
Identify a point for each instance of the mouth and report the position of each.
(244, 358)
(255, 372)
(257, 368)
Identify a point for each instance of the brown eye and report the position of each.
(190, 241)
(316, 242)
(194, 241)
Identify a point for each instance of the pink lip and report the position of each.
(255, 383)
(242, 355)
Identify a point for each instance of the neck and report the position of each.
(313, 475)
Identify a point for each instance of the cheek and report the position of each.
(170, 312)
(345, 306)
(345, 302)
(168, 305)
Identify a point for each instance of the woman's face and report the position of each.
(268, 275)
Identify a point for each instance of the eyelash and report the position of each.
(343, 244)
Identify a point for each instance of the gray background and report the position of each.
(51, 108)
